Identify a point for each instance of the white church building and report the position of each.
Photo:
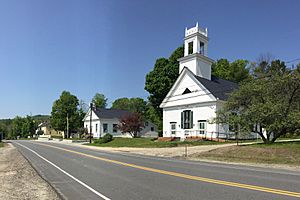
(190, 106)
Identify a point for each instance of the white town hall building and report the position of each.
(190, 106)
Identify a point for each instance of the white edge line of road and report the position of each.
(63, 171)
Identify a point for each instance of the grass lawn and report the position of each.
(277, 153)
(149, 143)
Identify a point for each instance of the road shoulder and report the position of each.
(19, 180)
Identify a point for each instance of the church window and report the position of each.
(173, 128)
(201, 48)
(186, 91)
(190, 46)
(202, 126)
(187, 119)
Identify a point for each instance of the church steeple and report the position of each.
(195, 52)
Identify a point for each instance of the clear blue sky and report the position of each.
(89, 46)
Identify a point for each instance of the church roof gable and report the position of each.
(179, 88)
(220, 88)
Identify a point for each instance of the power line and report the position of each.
(290, 61)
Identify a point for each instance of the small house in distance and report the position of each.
(46, 129)
(107, 120)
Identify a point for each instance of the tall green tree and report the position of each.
(271, 69)
(29, 126)
(121, 103)
(164, 74)
(17, 127)
(66, 107)
(6, 128)
(153, 115)
(132, 104)
(268, 104)
(236, 71)
(99, 100)
(160, 80)
(3, 129)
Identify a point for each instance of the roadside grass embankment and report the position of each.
(276, 153)
(151, 143)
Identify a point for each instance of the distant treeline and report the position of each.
(21, 126)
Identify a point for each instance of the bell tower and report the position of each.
(195, 52)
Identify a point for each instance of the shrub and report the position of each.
(106, 138)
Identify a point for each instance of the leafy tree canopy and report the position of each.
(23, 127)
(132, 104)
(270, 101)
(159, 82)
(236, 71)
(99, 100)
(164, 74)
(132, 124)
(65, 107)
(153, 115)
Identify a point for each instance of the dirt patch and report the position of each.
(18, 180)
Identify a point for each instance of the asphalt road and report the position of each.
(80, 173)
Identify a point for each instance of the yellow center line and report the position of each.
(186, 176)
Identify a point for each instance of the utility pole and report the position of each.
(91, 112)
(67, 125)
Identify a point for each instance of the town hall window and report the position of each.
(115, 128)
(187, 119)
(105, 128)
